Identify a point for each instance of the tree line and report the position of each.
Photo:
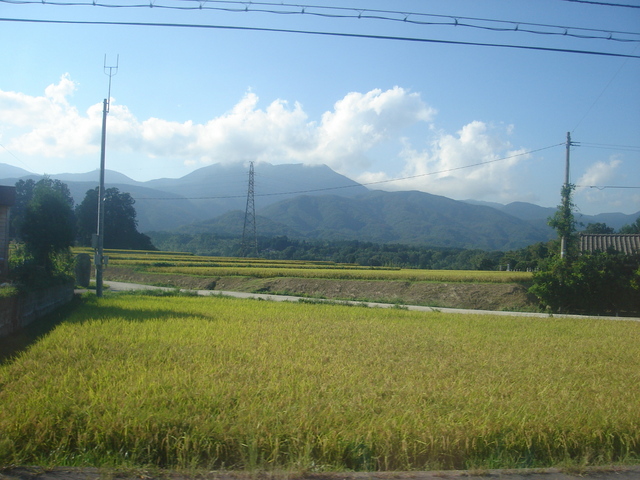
(45, 223)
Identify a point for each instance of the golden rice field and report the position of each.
(188, 264)
(224, 383)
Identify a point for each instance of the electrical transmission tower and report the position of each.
(249, 235)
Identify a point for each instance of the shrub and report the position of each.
(598, 283)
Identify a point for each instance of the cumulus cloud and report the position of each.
(597, 175)
(48, 125)
(342, 138)
(51, 127)
(476, 162)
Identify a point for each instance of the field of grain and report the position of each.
(245, 384)
(173, 263)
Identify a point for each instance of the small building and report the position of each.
(7, 200)
(628, 244)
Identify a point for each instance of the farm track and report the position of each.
(123, 286)
(67, 473)
(474, 296)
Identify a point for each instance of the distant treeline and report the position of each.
(360, 253)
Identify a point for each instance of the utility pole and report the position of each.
(566, 191)
(99, 258)
(249, 235)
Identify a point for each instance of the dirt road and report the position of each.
(62, 473)
(124, 286)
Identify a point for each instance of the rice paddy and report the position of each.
(220, 383)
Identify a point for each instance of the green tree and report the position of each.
(120, 224)
(48, 226)
(25, 190)
(598, 228)
(631, 229)
(597, 283)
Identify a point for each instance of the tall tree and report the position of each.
(48, 224)
(25, 190)
(120, 224)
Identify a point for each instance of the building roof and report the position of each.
(7, 195)
(627, 244)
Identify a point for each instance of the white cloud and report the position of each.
(600, 174)
(361, 121)
(49, 126)
(476, 163)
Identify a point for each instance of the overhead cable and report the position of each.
(605, 187)
(406, 17)
(321, 33)
(605, 4)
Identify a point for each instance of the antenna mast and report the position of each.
(99, 259)
(249, 234)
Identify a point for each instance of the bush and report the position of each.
(28, 274)
(598, 283)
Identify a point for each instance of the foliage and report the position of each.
(48, 230)
(339, 251)
(598, 228)
(598, 283)
(564, 222)
(531, 258)
(25, 190)
(242, 384)
(631, 229)
(120, 224)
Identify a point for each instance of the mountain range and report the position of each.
(314, 202)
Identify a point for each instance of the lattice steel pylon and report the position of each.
(249, 233)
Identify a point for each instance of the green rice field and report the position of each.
(221, 383)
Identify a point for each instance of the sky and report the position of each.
(423, 95)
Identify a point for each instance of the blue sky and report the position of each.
(372, 109)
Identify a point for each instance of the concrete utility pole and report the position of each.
(99, 258)
(563, 240)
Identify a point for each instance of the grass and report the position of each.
(243, 384)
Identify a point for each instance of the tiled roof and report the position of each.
(627, 244)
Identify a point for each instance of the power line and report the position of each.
(379, 182)
(606, 4)
(406, 17)
(603, 90)
(321, 33)
(607, 146)
(605, 187)
(12, 154)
